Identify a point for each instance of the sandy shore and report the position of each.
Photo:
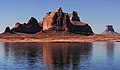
(56, 38)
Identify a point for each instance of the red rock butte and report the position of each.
(57, 20)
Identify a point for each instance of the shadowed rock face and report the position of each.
(31, 27)
(109, 28)
(7, 30)
(84, 30)
(74, 16)
(109, 31)
(60, 21)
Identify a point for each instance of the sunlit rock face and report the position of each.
(56, 20)
(61, 21)
(110, 30)
(31, 27)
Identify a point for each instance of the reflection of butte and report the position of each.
(47, 53)
(110, 51)
(61, 54)
(6, 47)
(54, 51)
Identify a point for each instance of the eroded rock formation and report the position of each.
(54, 21)
(74, 16)
(31, 27)
(61, 21)
(7, 30)
(109, 31)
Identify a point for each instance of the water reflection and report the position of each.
(110, 52)
(22, 55)
(60, 56)
(35, 56)
(68, 55)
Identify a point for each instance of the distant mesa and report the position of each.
(54, 21)
(109, 30)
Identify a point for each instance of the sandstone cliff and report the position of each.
(61, 21)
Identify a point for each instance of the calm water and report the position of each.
(60, 56)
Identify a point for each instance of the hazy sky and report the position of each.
(97, 13)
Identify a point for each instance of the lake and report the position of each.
(60, 56)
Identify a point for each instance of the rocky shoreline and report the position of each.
(57, 26)
(55, 38)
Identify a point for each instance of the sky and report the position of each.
(97, 13)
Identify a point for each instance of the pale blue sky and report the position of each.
(97, 13)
